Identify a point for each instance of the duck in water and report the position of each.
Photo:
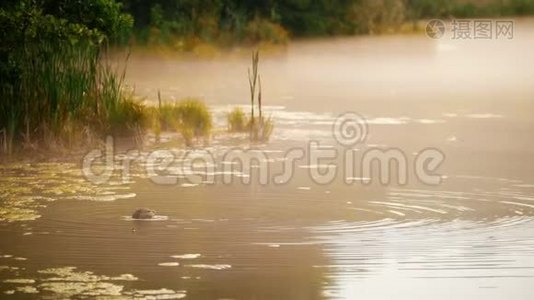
(143, 214)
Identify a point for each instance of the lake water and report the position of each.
(470, 237)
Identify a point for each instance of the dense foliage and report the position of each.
(54, 84)
(159, 21)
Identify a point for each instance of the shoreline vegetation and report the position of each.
(204, 29)
(60, 91)
(206, 25)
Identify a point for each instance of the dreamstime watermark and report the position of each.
(468, 29)
(322, 162)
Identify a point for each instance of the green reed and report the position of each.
(237, 120)
(190, 117)
(63, 96)
(260, 127)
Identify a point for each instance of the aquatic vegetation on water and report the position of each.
(27, 188)
(237, 120)
(68, 282)
(26, 289)
(261, 130)
(190, 117)
(195, 119)
(258, 126)
(157, 294)
(19, 209)
(217, 267)
(20, 280)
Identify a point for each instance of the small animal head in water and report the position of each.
(143, 213)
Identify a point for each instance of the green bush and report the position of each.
(191, 117)
(237, 120)
(129, 117)
(168, 115)
(263, 30)
(195, 119)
